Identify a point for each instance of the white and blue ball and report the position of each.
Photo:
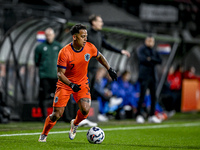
(95, 135)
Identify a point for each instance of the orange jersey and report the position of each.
(75, 63)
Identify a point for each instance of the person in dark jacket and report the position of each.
(95, 37)
(148, 59)
(46, 55)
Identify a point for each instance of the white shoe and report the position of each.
(42, 138)
(72, 132)
(140, 119)
(115, 101)
(154, 119)
(102, 118)
(88, 123)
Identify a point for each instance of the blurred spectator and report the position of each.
(148, 59)
(175, 77)
(190, 73)
(175, 81)
(167, 99)
(124, 89)
(95, 37)
(46, 55)
(107, 103)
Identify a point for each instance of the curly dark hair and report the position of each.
(75, 29)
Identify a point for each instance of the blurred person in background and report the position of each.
(148, 59)
(107, 102)
(95, 37)
(124, 89)
(167, 100)
(174, 79)
(190, 73)
(46, 55)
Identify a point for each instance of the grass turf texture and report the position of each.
(179, 132)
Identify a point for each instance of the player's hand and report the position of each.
(112, 74)
(75, 87)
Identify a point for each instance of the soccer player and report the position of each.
(72, 68)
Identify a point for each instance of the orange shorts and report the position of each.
(62, 95)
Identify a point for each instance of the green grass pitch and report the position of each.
(179, 132)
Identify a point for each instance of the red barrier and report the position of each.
(190, 95)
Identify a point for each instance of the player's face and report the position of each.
(80, 39)
(98, 23)
(149, 42)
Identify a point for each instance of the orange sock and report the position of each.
(79, 117)
(48, 125)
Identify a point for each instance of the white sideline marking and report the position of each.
(112, 129)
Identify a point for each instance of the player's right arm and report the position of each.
(65, 80)
(61, 69)
(61, 76)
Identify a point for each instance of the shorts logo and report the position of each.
(56, 99)
(87, 57)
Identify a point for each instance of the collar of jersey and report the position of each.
(76, 50)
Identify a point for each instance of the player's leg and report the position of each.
(60, 101)
(50, 122)
(84, 107)
(83, 99)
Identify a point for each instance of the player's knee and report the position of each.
(85, 111)
(58, 115)
(55, 116)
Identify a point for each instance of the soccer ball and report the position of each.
(95, 135)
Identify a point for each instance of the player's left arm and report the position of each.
(105, 63)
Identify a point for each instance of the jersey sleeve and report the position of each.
(94, 51)
(62, 59)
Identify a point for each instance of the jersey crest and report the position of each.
(87, 57)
